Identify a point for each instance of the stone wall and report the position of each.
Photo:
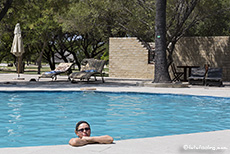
(128, 58)
(214, 51)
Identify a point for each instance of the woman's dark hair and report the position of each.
(81, 122)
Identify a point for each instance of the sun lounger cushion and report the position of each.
(89, 71)
(61, 68)
(197, 76)
(52, 72)
(89, 67)
(214, 77)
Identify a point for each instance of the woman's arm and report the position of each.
(86, 140)
(77, 142)
(99, 139)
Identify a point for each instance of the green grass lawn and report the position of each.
(34, 69)
(28, 69)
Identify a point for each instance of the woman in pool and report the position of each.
(83, 132)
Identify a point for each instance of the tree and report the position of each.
(161, 68)
(4, 8)
(94, 22)
(189, 18)
(83, 27)
(182, 16)
(42, 25)
(216, 22)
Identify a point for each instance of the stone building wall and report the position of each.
(214, 51)
(128, 58)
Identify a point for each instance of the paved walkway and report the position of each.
(205, 143)
(199, 143)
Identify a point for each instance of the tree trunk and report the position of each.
(39, 60)
(161, 69)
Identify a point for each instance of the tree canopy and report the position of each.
(55, 29)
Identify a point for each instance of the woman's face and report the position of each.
(83, 130)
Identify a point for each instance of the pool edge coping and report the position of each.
(160, 144)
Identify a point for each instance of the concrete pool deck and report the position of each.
(206, 142)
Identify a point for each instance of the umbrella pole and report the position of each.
(19, 60)
(19, 67)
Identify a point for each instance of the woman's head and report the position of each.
(82, 129)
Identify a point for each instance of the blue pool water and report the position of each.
(49, 118)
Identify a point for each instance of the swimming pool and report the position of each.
(33, 118)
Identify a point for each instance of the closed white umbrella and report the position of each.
(17, 47)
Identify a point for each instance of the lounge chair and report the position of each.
(197, 76)
(89, 67)
(176, 74)
(214, 77)
(62, 68)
